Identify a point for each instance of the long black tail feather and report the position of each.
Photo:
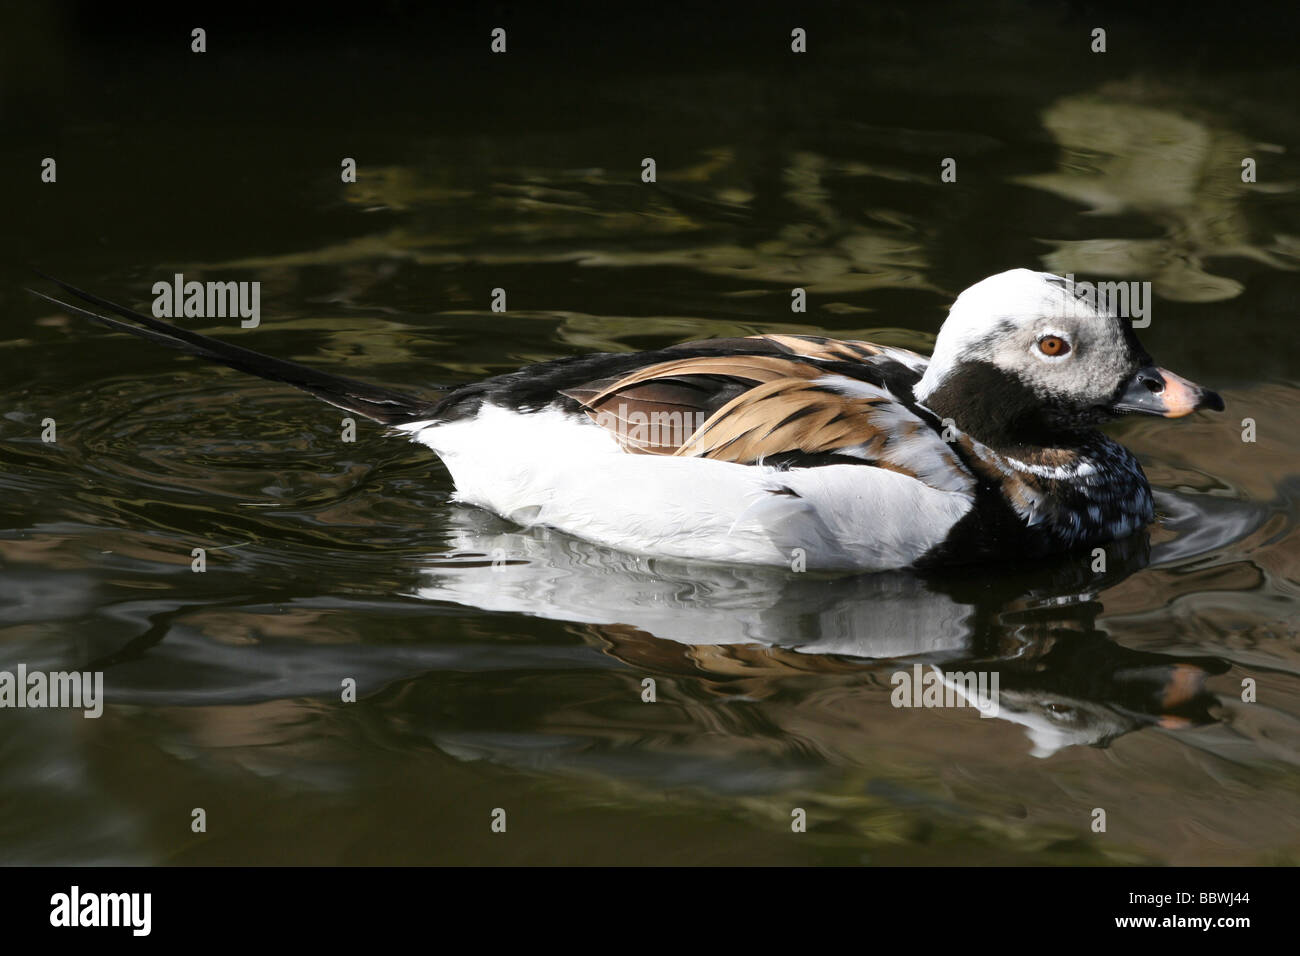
(373, 401)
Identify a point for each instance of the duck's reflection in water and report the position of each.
(748, 632)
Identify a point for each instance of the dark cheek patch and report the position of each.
(992, 405)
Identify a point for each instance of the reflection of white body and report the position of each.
(876, 616)
(888, 616)
(547, 574)
(551, 575)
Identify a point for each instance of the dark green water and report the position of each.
(520, 687)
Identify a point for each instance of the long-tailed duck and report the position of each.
(797, 450)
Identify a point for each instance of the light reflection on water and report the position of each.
(501, 667)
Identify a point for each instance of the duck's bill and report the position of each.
(1158, 391)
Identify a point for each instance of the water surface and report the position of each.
(498, 667)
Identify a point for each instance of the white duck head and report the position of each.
(1023, 358)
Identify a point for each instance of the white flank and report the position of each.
(563, 471)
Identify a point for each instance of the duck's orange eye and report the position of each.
(1053, 345)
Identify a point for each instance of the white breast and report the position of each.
(563, 471)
